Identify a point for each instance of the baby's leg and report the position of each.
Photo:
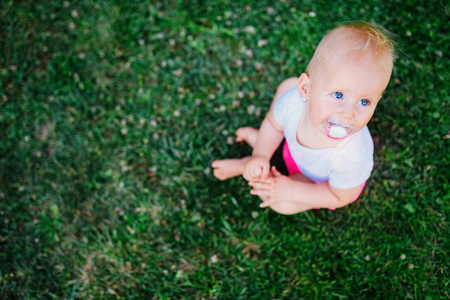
(227, 168)
(289, 208)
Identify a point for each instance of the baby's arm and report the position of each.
(286, 195)
(269, 138)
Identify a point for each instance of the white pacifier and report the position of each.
(336, 131)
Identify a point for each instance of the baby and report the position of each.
(322, 116)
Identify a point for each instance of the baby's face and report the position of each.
(345, 92)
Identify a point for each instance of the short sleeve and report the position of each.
(284, 104)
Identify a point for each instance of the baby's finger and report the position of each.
(260, 192)
(251, 177)
(266, 203)
(259, 170)
(251, 169)
(265, 173)
(254, 173)
(259, 185)
(275, 172)
(247, 175)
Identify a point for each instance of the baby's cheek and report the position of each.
(364, 120)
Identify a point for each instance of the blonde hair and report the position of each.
(359, 40)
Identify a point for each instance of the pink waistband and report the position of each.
(291, 165)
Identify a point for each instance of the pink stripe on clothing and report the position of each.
(291, 165)
(293, 168)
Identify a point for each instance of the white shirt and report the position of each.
(347, 165)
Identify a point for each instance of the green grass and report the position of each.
(111, 114)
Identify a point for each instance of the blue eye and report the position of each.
(337, 95)
(363, 102)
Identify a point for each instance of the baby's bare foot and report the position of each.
(247, 134)
(227, 168)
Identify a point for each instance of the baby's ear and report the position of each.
(303, 85)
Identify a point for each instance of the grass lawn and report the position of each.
(112, 111)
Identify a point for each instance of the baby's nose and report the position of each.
(347, 112)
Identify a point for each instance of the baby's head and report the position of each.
(356, 42)
(346, 77)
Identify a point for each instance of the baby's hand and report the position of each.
(257, 169)
(277, 188)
